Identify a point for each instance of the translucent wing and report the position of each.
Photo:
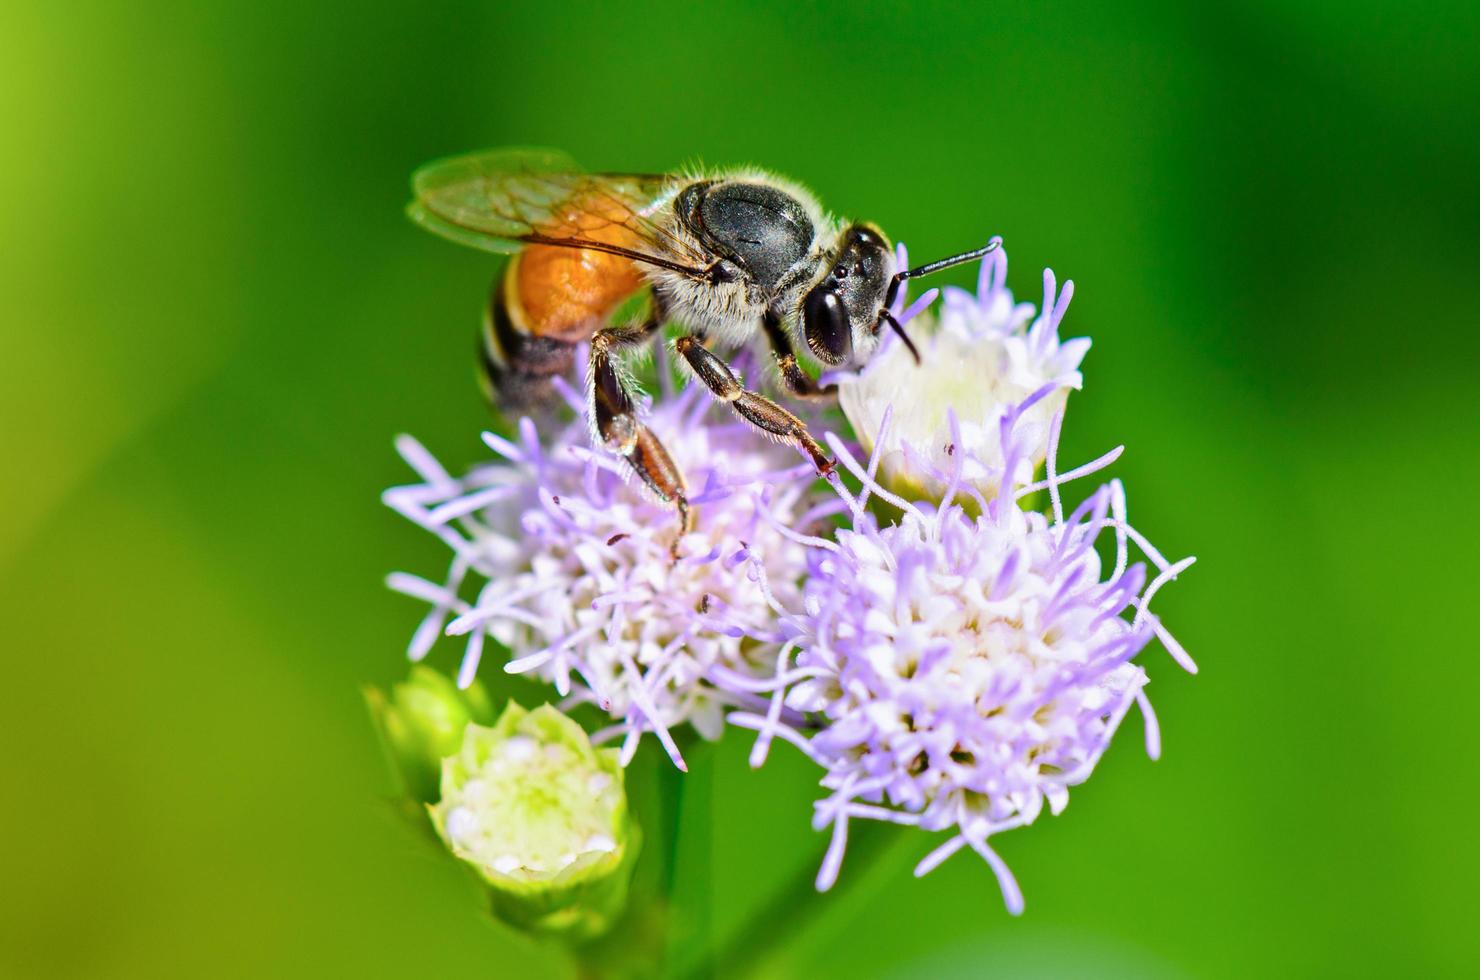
(503, 200)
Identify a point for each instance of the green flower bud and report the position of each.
(542, 817)
(421, 722)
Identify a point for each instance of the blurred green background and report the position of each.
(215, 318)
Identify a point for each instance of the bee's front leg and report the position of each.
(798, 382)
(756, 409)
(615, 424)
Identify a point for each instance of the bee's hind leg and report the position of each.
(756, 409)
(615, 423)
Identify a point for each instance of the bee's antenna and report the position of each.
(936, 266)
(898, 328)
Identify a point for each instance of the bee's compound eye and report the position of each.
(825, 323)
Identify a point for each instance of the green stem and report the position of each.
(637, 945)
(671, 785)
(693, 896)
(782, 914)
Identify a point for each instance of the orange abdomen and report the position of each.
(569, 293)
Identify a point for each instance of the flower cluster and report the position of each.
(952, 657)
(575, 573)
(970, 669)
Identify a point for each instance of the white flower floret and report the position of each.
(981, 356)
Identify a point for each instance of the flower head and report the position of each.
(542, 817)
(577, 578)
(968, 668)
(985, 355)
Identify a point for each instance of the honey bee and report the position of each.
(725, 255)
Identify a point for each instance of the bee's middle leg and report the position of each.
(614, 419)
(754, 408)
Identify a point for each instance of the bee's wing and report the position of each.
(502, 200)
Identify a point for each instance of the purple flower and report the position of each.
(573, 572)
(967, 669)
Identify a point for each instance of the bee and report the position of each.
(726, 255)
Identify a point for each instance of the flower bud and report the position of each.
(542, 817)
(421, 722)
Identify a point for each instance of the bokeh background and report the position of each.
(213, 319)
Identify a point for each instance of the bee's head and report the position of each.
(844, 311)
(841, 312)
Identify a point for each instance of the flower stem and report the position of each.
(639, 944)
(671, 785)
(693, 893)
(786, 911)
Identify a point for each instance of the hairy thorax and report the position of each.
(765, 241)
